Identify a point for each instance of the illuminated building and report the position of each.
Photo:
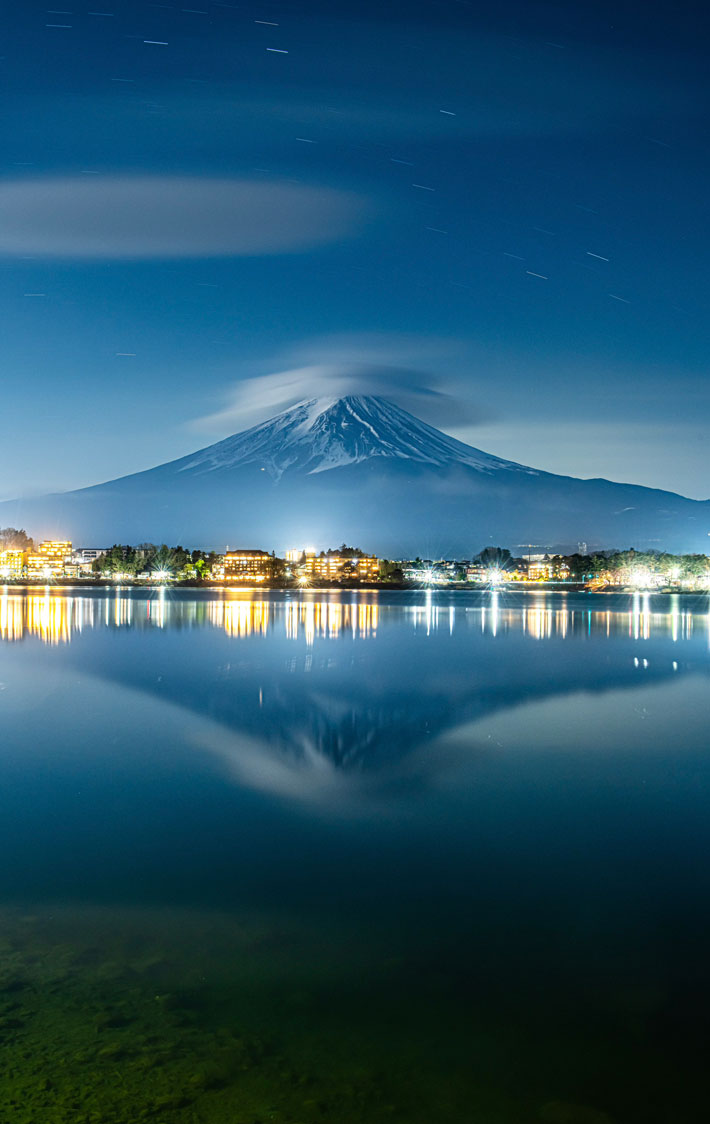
(476, 572)
(49, 561)
(332, 566)
(56, 551)
(539, 571)
(368, 568)
(247, 565)
(40, 568)
(413, 572)
(12, 563)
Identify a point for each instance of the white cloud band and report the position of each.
(146, 217)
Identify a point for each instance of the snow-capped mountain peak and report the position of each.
(360, 469)
(325, 433)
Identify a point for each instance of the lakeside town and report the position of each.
(23, 562)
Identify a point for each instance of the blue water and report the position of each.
(471, 830)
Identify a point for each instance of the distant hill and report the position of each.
(361, 470)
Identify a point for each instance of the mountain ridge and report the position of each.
(361, 469)
(310, 437)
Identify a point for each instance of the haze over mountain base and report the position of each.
(363, 471)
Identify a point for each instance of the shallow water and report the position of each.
(353, 857)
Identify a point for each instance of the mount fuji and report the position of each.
(359, 469)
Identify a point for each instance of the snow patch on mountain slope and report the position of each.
(326, 433)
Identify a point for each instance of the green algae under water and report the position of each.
(114, 1017)
(108, 1017)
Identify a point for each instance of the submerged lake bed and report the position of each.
(353, 856)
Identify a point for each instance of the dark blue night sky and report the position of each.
(496, 214)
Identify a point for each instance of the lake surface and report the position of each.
(353, 857)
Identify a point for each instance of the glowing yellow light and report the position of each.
(640, 578)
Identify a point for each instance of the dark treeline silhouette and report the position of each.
(13, 539)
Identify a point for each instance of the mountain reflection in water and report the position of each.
(305, 692)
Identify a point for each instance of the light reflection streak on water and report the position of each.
(122, 611)
(54, 618)
(638, 617)
(51, 618)
(239, 618)
(312, 619)
(426, 614)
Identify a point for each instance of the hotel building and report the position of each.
(247, 565)
(49, 561)
(334, 567)
(12, 563)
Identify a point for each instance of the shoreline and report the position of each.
(327, 587)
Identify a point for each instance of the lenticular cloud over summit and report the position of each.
(143, 217)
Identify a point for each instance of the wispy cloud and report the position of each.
(145, 217)
(413, 371)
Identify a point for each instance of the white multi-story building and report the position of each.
(87, 554)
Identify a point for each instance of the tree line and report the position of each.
(149, 558)
(196, 564)
(13, 539)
